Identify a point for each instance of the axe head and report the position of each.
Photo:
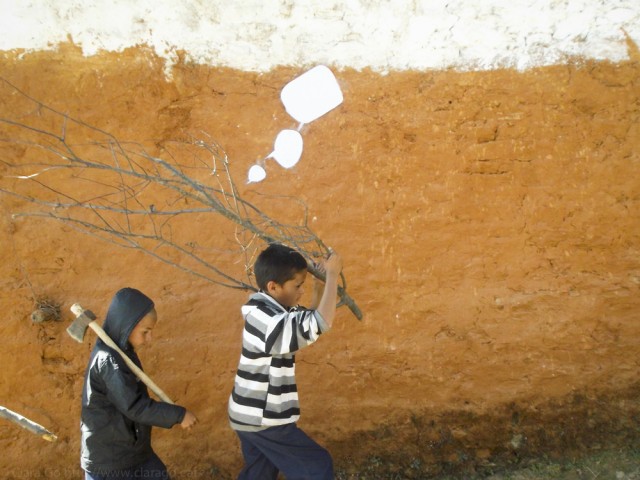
(79, 326)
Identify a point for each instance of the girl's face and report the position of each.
(141, 333)
(290, 292)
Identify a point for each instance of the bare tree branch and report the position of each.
(143, 198)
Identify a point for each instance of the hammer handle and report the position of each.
(134, 368)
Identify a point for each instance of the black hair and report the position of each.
(277, 263)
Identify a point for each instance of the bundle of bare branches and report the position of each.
(143, 197)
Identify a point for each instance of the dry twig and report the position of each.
(142, 200)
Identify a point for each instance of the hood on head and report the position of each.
(127, 308)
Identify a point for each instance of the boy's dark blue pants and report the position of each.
(285, 449)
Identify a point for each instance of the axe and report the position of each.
(86, 318)
(27, 424)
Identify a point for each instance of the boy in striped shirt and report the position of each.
(263, 406)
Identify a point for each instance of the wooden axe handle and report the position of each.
(134, 368)
(78, 311)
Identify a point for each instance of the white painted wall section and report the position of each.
(258, 35)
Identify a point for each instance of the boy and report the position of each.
(117, 412)
(263, 407)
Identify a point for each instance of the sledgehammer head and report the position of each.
(79, 326)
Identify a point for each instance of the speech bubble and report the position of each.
(256, 174)
(287, 148)
(312, 94)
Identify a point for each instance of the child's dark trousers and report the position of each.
(285, 449)
(151, 469)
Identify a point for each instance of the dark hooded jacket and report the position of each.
(117, 412)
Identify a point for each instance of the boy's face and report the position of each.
(141, 333)
(290, 292)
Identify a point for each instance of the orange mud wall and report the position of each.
(490, 229)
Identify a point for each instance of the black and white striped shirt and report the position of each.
(265, 392)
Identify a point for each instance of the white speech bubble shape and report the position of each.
(256, 174)
(312, 94)
(287, 148)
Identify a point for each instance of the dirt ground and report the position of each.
(490, 228)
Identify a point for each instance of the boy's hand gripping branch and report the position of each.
(77, 330)
(318, 271)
